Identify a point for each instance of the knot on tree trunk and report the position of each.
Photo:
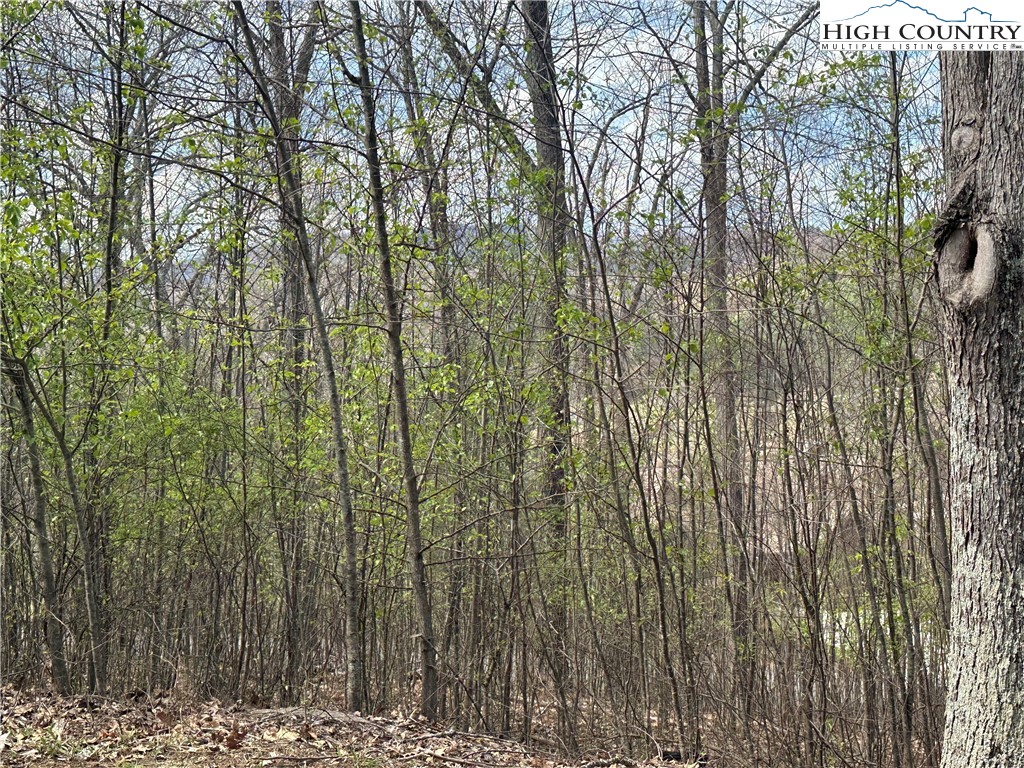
(968, 265)
(966, 246)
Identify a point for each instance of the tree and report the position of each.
(14, 369)
(292, 206)
(715, 120)
(980, 245)
(617, 314)
(553, 225)
(393, 304)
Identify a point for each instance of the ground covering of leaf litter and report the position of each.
(40, 731)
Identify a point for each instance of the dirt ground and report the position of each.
(42, 731)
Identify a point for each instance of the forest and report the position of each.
(569, 373)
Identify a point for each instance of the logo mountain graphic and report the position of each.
(971, 14)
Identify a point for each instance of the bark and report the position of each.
(715, 122)
(392, 301)
(88, 524)
(980, 245)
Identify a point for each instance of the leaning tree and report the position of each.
(980, 243)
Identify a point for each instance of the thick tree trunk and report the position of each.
(289, 74)
(980, 243)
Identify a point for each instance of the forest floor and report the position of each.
(43, 731)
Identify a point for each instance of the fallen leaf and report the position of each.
(237, 734)
(166, 718)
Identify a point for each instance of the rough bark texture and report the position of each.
(981, 275)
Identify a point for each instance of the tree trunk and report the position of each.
(552, 228)
(980, 245)
(434, 178)
(414, 538)
(291, 201)
(54, 621)
(289, 73)
(728, 465)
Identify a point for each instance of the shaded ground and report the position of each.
(43, 731)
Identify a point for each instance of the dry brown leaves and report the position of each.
(42, 730)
